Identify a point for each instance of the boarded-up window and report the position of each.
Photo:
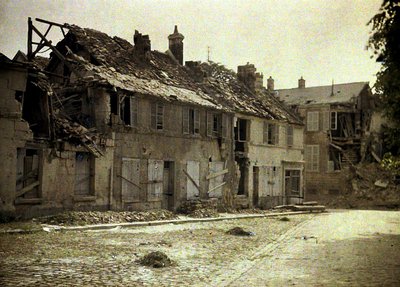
(289, 135)
(312, 157)
(312, 121)
(155, 179)
(83, 174)
(157, 116)
(191, 121)
(271, 133)
(130, 178)
(192, 179)
(216, 179)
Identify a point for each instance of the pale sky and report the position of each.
(318, 39)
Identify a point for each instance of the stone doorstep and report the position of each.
(50, 228)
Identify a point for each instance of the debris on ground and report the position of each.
(156, 259)
(239, 231)
(101, 217)
(284, 218)
(199, 209)
(369, 185)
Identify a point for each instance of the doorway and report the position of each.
(168, 186)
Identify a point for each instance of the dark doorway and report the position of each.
(168, 188)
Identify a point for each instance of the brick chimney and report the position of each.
(176, 45)
(142, 43)
(270, 84)
(248, 76)
(302, 83)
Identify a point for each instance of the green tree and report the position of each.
(385, 43)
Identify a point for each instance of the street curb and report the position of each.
(172, 221)
(106, 226)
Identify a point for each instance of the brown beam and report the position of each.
(51, 23)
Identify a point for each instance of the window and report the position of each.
(292, 182)
(241, 130)
(155, 175)
(312, 157)
(329, 120)
(191, 121)
(214, 124)
(289, 135)
(27, 183)
(271, 133)
(157, 116)
(126, 107)
(312, 121)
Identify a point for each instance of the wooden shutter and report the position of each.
(276, 134)
(265, 132)
(289, 135)
(325, 120)
(153, 113)
(185, 120)
(196, 115)
(315, 158)
(333, 121)
(160, 116)
(210, 123)
(134, 111)
(307, 155)
(193, 171)
(155, 169)
(130, 177)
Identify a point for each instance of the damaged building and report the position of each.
(341, 128)
(107, 124)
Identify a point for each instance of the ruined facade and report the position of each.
(122, 127)
(338, 132)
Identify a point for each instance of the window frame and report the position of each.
(271, 133)
(157, 114)
(312, 121)
(312, 157)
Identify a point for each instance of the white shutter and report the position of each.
(153, 114)
(193, 170)
(155, 179)
(130, 179)
(134, 111)
(265, 133)
(325, 120)
(276, 139)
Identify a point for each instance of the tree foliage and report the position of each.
(385, 43)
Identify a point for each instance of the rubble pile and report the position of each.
(370, 186)
(156, 259)
(199, 209)
(97, 217)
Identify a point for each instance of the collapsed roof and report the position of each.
(115, 62)
(333, 94)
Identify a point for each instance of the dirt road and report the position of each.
(348, 248)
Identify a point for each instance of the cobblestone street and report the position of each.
(347, 248)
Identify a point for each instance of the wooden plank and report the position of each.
(216, 187)
(191, 179)
(212, 175)
(131, 182)
(51, 23)
(27, 188)
(376, 157)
